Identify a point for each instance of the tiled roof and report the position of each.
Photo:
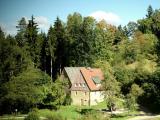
(89, 74)
(76, 78)
(81, 75)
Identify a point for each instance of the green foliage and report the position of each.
(94, 115)
(56, 95)
(24, 91)
(130, 29)
(55, 116)
(131, 98)
(33, 45)
(131, 52)
(130, 102)
(127, 55)
(150, 11)
(13, 59)
(125, 76)
(33, 115)
(136, 91)
(110, 85)
(151, 89)
(60, 46)
(20, 37)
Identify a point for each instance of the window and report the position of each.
(85, 93)
(96, 80)
(76, 85)
(79, 84)
(76, 93)
(83, 84)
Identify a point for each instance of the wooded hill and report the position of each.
(31, 61)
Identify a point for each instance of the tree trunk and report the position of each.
(51, 69)
(45, 65)
(111, 109)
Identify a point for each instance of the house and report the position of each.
(86, 88)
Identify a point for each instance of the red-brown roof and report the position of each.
(82, 75)
(88, 75)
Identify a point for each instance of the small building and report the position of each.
(86, 88)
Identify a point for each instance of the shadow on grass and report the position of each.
(86, 111)
(119, 115)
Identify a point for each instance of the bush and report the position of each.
(96, 116)
(32, 116)
(68, 100)
(55, 116)
(91, 114)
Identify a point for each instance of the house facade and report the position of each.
(86, 88)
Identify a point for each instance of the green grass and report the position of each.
(10, 118)
(45, 112)
(74, 112)
(99, 106)
(69, 112)
(122, 116)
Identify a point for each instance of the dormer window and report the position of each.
(96, 80)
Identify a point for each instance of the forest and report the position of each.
(32, 61)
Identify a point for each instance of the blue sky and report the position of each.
(113, 11)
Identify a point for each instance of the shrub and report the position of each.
(91, 114)
(95, 117)
(55, 116)
(33, 116)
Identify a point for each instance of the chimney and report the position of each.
(90, 69)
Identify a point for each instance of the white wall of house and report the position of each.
(96, 97)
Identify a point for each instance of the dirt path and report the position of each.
(145, 114)
(145, 117)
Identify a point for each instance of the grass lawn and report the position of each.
(12, 117)
(71, 112)
(74, 112)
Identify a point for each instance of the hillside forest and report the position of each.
(32, 61)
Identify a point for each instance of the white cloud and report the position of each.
(8, 28)
(42, 22)
(109, 17)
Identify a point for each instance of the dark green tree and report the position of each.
(13, 59)
(24, 91)
(150, 11)
(74, 23)
(32, 41)
(20, 37)
(84, 47)
(60, 46)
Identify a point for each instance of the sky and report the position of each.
(116, 12)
